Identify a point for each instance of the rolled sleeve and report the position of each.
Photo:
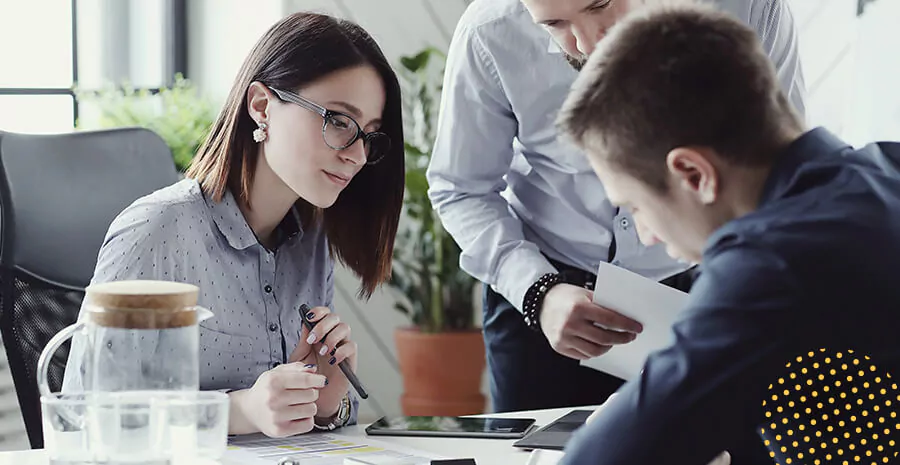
(473, 151)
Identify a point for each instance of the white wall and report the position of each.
(852, 67)
(876, 80)
(220, 34)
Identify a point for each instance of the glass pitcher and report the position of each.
(138, 335)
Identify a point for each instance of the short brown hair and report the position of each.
(299, 49)
(677, 74)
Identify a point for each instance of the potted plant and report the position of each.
(441, 354)
(177, 113)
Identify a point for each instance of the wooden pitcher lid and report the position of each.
(142, 304)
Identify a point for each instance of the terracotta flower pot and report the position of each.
(441, 372)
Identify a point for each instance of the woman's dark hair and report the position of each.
(296, 51)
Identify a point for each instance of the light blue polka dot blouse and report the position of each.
(177, 234)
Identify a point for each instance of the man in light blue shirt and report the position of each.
(530, 216)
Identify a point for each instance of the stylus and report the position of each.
(344, 365)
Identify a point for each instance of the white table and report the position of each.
(484, 451)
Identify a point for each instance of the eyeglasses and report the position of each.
(341, 131)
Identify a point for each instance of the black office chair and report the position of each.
(832, 407)
(58, 195)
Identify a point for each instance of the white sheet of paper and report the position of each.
(644, 300)
(545, 457)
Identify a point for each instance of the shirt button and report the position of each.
(273, 327)
(268, 289)
(624, 223)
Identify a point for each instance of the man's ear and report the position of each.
(693, 171)
(258, 99)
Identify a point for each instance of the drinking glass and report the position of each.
(198, 427)
(66, 438)
(129, 428)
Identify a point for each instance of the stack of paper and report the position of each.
(648, 302)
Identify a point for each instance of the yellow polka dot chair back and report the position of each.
(830, 407)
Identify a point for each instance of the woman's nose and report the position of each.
(355, 153)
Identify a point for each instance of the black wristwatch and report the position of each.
(534, 298)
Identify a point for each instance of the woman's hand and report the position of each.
(281, 403)
(327, 345)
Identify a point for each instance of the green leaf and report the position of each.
(416, 183)
(416, 62)
(402, 308)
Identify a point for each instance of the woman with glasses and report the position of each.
(303, 166)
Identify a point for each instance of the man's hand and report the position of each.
(580, 329)
(722, 459)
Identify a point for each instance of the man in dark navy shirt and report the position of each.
(797, 233)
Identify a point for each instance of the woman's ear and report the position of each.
(694, 172)
(258, 99)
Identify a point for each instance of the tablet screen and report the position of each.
(487, 426)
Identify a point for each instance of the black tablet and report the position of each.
(452, 427)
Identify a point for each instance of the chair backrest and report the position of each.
(58, 195)
(832, 407)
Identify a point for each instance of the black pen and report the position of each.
(344, 365)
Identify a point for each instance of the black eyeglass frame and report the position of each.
(326, 114)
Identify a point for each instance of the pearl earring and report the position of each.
(259, 134)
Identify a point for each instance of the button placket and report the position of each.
(627, 240)
(267, 276)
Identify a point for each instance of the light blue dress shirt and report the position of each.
(503, 182)
(179, 234)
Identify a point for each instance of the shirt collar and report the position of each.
(814, 144)
(232, 224)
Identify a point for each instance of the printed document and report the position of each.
(316, 449)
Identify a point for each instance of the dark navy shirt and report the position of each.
(815, 266)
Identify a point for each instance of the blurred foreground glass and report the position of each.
(129, 428)
(136, 428)
(198, 427)
(66, 437)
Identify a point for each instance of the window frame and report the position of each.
(174, 33)
(32, 91)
